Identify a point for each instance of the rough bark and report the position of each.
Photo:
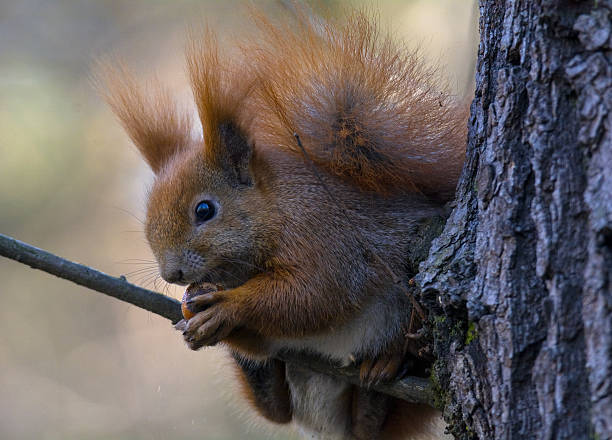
(519, 283)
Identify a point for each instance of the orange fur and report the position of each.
(153, 122)
(220, 86)
(366, 108)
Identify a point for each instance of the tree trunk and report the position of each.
(519, 282)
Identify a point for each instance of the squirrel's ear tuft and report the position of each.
(151, 119)
(220, 88)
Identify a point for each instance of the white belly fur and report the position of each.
(365, 335)
(320, 403)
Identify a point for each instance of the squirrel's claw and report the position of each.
(208, 327)
(180, 326)
(383, 369)
(201, 302)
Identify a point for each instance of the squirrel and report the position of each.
(323, 145)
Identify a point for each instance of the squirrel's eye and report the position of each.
(204, 211)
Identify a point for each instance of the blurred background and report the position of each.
(78, 364)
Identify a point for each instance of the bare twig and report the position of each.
(412, 389)
(118, 288)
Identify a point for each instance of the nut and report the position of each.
(192, 291)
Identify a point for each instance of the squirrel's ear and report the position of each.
(234, 153)
(151, 119)
(220, 87)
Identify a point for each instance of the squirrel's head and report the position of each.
(207, 216)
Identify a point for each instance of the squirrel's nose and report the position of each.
(179, 267)
(173, 275)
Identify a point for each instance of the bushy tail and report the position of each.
(366, 108)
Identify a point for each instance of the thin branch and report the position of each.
(85, 276)
(412, 389)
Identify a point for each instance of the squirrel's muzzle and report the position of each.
(182, 267)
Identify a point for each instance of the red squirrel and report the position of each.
(324, 143)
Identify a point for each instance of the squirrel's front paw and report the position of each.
(212, 324)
